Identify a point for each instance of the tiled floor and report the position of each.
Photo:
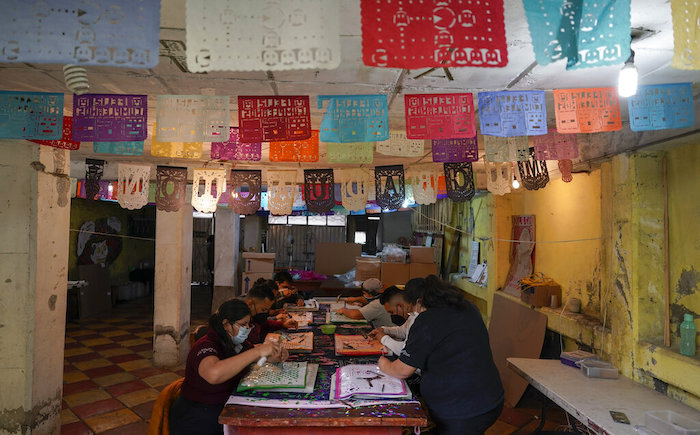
(110, 383)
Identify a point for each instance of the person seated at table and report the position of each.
(450, 345)
(214, 366)
(259, 299)
(398, 303)
(374, 312)
(286, 293)
(370, 287)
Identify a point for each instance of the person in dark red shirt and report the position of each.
(215, 364)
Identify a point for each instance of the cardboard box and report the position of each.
(422, 254)
(540, 295)
(336, 258)
(421, 270)
(258, 262)
(248, 279)
(395, 273)
(368, 267)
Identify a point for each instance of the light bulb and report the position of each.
(516, 183)
(627, 80)
(404, 204)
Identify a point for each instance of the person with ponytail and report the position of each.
(215, 364)
(449, 343)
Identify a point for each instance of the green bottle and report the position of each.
(688, 335)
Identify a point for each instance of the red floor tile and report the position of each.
(142, 347)
(96, 408)
(78, 387)
(130, 429)
(77, 428)
(144, 410)
(124, 337)
(83, 357)
(72, 345)
(103, 371)
(87, 337)
(105, 346)
(148, 371)
(69, 368)
(126, 387)
(124, 358)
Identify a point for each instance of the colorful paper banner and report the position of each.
(455, 150)
(587, 110)
(423, 180)
(274, 118)
(129, 148)
(66, 142)
(109, 118)
(281, 191)
(399, 145)
(555, 146)
(94, 170)
(686, 34)
(354, 118)
(439, 116)
(506, 149)
(246, 191)
(389, 185)
(133, 184)
(31, 115)
(459, 178)
(305, 151)
(192, 118)
(207, 187)
(533, 173)
(659, 107)
(273, 35)
(565, 167)
(512, 113)
(319, 190)
(102, 32)
(171, 188)
(427, 34)
(356, 152)
(234, 149)
(499, 177)
(180, 150)
(354, 188)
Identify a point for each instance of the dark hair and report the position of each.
(232, 310)
(262, 289)
(389, 293)
(440, 294)
(414, 290)
(283, 276)
(200, 332)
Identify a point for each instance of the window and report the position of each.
(361, 237)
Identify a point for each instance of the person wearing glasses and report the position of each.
(215, 364)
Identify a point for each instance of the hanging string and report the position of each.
(113, 235)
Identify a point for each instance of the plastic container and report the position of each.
(671, 423)
(688, 332)
(598, 369)
(328, 329)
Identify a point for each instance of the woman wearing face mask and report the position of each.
(215, 364)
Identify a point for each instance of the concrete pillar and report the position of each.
(173, 275)
(34, 223)
(227, 225)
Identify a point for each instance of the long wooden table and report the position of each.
(590, 400)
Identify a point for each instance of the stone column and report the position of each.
(173, 275)
(227, 225)
(34, 224)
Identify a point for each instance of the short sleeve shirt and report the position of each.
(375, 313)
(451, 348)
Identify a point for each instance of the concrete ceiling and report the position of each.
(651, 18)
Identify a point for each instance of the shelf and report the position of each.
(476, 290)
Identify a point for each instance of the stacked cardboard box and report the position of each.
(368, 267)
(422, 262)
(255, 266)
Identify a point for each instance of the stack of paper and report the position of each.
(366, 381)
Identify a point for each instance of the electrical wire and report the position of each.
(112, 235)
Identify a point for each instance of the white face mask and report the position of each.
(242, 335)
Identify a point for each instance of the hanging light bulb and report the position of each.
(627, 80)
(516, 183)
(76, 79)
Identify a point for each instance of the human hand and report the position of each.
(282, 316)
(343, 311)
(280, 356)
(377, 333)
(300, 303)
(383, 363)
(290, 324)
(267, 349)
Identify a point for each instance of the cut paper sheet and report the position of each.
(565, 167)
(587, 110)
(400, 146)
(207, 187)
(171, 188)
(459, 178)
(354, 188)
(506, 149)
(234, 149)
(533, 173)
(305, 151)
(389, 185)
(319, 190)
(31, 115)
(110, 118)
(246, 191)
(555, 146)
(439, 116)
(192, 118)
(272, 35)
(355, 152)
(274, 118)
(423, 180)
(354, 118)
(587, 34)
(100, 32)
(499, 177)
(133, 185)
(129, 148)
(94, 170)
(686, 34)
(658, 107)
(512, 113)
(455, 150)
(281, 191)
(428, 34)
(66, 142)
(180, 150)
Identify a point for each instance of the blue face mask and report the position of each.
(242, 335)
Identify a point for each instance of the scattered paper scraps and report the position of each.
(354, 118)
(274, 118)
(512, 113)
(506, 149)
(355, 152)
(686, 34)
(658, 107)
(303, 151)
(31, 115)
(439, 116)
(399, 145)
(555, 146)
(171, 188)
(427, 34)
(234, 149)
(110, 118)
(207, 187)
(66, 142)
(354, 188)
(246, 191)
(423, 180)
(133, 185)
(128, 148)
(499, 177)
(180, 150)
(281, 190)
(587, 110)
(533, 173)
(192, 118)
(389, 184)
(459, 178)
(94, 170)
(455, 150)
(319, 190)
